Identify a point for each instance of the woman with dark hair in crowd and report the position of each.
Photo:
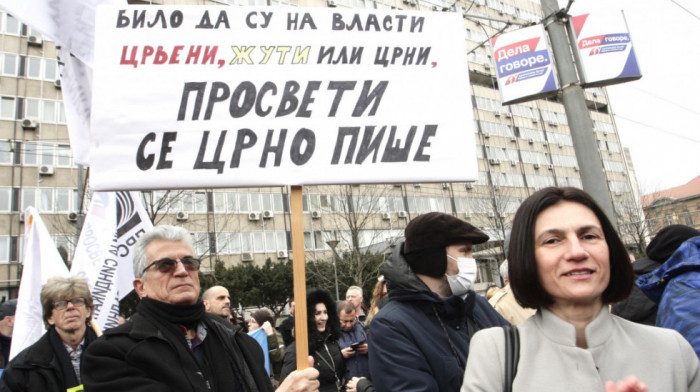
(566, 260)
(324, 332)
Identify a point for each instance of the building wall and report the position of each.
(521, 148)
(671, 211)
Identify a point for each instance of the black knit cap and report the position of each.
(427, 236)
(8, 308)
(669, 239)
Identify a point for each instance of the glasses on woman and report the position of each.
(167, 265)
(78, 302)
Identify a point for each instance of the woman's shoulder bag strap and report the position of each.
(512, 355)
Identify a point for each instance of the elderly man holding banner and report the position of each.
(53, 363)
(171, 343)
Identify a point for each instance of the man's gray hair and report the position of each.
(503, 269)
(357, 288)
(164, 233)
(58, 288)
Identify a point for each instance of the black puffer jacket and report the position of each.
(323, 347)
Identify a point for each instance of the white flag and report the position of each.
(103, 256)
(71, 24)
(40, 261)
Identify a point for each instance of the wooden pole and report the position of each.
(95, 327)
(299, 268)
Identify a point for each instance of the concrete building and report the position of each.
(521, 148)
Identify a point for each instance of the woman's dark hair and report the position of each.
(316, 339)
(522, 265)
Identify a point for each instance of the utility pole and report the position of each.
(585, 144)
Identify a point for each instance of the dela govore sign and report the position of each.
(197, 96)
(603, 49)
(524, 64)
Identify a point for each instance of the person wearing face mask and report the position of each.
(420, 339)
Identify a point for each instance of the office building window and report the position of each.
(63, 200)
(258, 242)
(46, 200)
(12, 25)
(5, 198)
(5, 152)
(9, 64)
(7, 108)
(235, 243)
(33, 68)
(50, 69)
(49, 111)
(28, 198)
(4, 249)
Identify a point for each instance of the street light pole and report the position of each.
(333, 244)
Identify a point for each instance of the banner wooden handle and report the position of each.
(299, 268)
(95, 327)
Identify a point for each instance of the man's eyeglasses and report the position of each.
(78, 302)
(167, 265)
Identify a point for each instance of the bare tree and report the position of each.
(364, 223)
(632, 226)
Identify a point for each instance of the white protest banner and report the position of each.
(603, 49)
(71, 24)
(40, 261)
(197, 96)
(103, 256)
(524, 65)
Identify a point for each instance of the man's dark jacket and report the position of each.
(36, 368)
(638, 307)
(136, 356)
(419, 341)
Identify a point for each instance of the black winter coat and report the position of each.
(36, 368)
(327, 375)
(638, 307)
(137, 357)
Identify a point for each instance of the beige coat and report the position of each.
(550, 360)
(505, 303)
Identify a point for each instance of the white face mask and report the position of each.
(463, 281)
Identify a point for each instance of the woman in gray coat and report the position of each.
(566, 260)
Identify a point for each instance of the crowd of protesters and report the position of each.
(563, 319)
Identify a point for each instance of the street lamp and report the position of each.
(333, 244)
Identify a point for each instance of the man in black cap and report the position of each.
(7, 324)
(638, 307)
(420, 339)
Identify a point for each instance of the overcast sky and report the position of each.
(658, 116)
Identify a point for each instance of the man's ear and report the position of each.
(206, 305)
(138, 287)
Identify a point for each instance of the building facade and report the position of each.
(520, 149)
(675, 206)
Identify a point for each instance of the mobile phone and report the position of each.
(354, 346)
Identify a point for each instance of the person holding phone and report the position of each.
(353, 341)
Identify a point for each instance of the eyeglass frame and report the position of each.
(78, 302)
(176, 260)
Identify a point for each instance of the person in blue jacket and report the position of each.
(675, 286)
(420, 339)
